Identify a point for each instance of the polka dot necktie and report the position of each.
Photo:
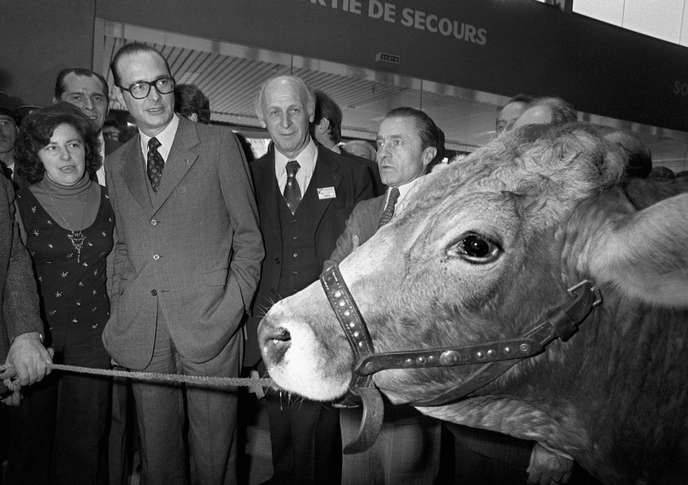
(389, 208)
(292, 191)
(154, 164)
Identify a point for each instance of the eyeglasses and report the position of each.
(141, 89)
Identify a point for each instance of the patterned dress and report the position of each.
(71, 283)
(60, 430)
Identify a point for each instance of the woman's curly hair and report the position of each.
(36, 130)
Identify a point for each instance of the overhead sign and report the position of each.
(496, 46)
(414, 18)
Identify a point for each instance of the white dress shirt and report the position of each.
(100, 173)
(403, 192)
(165, 137)
(306, 159)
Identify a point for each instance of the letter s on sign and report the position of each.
(407, 17)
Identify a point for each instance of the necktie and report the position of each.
(389, 208)
(154, 164)
(292, 191)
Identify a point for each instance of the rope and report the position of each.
(200, 381)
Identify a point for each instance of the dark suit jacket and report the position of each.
(18, 181)
(19, 307)
(360, 227)
(352, 183)
(110, 146)
(193, 250)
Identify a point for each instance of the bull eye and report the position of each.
(475, 248)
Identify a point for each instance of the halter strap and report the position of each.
(497, 357)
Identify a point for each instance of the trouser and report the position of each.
(407, 450)
(162, 409)
(306, 443)
(59, 432)
(486, 457)
(123, 433)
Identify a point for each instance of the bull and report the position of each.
(486, 250)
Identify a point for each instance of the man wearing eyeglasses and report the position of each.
(185, 266)
(88, 91)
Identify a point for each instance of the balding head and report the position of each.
(285, 106)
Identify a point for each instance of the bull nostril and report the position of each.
(275, 345)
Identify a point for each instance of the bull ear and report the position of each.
(646, 254)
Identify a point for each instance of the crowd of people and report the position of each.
(162, 252)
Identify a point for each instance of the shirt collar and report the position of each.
(404, 190)
(165, 137)
(306, 159)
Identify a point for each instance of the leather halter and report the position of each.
(496, 357)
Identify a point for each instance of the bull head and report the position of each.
(478, 253)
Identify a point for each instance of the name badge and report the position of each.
(326, 193)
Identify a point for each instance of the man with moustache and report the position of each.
(305, 194)
(185, 266)
(88, 91)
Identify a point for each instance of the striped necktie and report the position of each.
(389, 208)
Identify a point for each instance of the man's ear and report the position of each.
(323, 126)
(428, 155)
(55, 100)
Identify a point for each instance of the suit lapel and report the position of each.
(377, 207)
(267, 191)
(326, 174)
(183, 155)
(134, 175)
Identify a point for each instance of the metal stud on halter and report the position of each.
(496, 357)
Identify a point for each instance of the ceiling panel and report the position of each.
(231, 75)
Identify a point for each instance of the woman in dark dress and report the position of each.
(67, 223)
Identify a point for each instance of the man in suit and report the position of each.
(408, 447)
(326, 128)
(21, 329)
(185, 266)
(88, 91)
(23, 359)
(305, 194)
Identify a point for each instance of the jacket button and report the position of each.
(154, 222)
(156, 257)
(154, 292)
